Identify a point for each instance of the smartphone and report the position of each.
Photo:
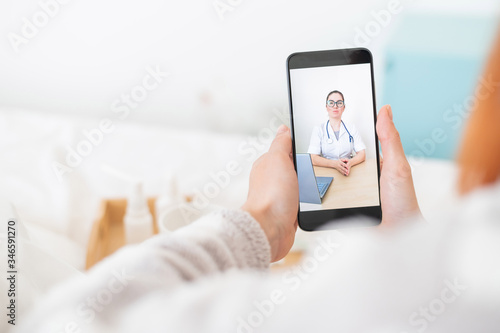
(335, 145)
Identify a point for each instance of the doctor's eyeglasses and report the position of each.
(331, 103)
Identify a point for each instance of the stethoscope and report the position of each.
(351, 139)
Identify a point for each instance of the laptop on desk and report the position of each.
(311, 188)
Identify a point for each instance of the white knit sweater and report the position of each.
(212, 277)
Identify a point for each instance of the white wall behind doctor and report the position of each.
(227, 66)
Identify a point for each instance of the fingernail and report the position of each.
(282, 129)
(389, 110)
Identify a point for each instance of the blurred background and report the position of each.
(226, 59)
(153, 88)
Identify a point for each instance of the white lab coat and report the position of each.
(338, 149)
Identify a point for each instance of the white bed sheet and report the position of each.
(60, 214)
(30, 142)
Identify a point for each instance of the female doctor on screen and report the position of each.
(336, 144)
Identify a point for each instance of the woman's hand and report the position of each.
(273, 196)
(397, 192)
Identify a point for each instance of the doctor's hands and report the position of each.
(340, 166)
(347, 165)
(273, 196)
(397, 192)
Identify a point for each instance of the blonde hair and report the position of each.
(479, 155)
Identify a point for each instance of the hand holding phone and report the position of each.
(272, 198)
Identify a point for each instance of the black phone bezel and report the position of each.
(313, 220)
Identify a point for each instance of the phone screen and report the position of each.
(333, 116)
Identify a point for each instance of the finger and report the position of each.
(282, 142)
(388, 135)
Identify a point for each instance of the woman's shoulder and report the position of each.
(350, 125)
(319, 128)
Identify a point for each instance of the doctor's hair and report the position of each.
(479, 155)
(335, 92)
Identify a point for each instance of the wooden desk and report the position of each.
(359, 189)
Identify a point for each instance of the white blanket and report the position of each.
(60, 213)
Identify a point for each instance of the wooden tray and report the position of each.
(108, 232)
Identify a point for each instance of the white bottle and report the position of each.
(138, 220)
(168, 199)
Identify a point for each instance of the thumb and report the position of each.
(282, 142)
(388, 135)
